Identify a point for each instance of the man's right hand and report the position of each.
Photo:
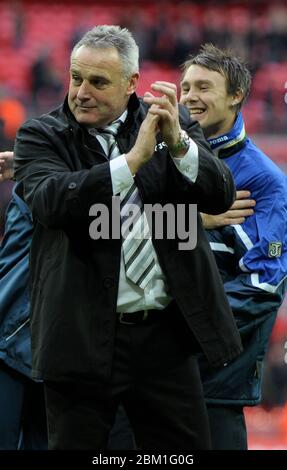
(240, 209)
(6, 165)
(144, 146)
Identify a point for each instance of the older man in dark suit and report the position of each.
(120, 308)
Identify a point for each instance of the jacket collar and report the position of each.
(134, 106)
(126, 135)
(230, 143)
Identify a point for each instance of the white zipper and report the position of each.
(16, 331)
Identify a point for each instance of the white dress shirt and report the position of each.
(156, 294)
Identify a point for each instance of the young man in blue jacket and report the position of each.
(250, 246)
(23, 418)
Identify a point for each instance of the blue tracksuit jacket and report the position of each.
(252, 259)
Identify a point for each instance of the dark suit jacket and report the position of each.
(62, 171)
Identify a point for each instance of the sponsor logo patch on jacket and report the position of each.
(274, 249)
(160, 146)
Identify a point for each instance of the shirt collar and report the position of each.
(231, 142)
(94, 131)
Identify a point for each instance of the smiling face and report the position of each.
(204, 93)
(98, 90)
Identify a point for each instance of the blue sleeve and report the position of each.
(263, 237)
(14, 257)
(252, 257)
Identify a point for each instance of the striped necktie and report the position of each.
(137, 246)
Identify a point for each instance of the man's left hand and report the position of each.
(165, 107)
(242, 207)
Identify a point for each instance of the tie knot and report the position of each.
(111, 129)
(108, 133)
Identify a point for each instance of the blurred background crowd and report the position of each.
(35, 42)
